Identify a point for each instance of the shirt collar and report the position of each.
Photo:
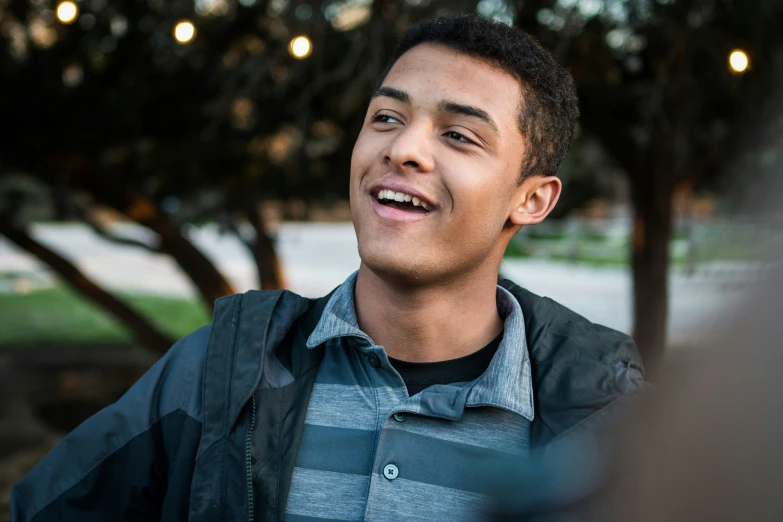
(339, 317)
(506, 384)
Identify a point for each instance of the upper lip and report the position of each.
(405, 189)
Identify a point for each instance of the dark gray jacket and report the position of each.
(211, 431)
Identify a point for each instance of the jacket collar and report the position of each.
(507, 384)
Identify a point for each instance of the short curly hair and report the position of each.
(550, 107)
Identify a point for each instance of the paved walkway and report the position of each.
(319, 256)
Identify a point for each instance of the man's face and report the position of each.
(442, 134)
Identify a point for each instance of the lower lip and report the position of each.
(394, 214)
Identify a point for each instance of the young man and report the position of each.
(387, 399)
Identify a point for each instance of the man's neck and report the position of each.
(428, 323)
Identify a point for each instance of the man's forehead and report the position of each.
(423, 57)
(437, 69)
(431, 74)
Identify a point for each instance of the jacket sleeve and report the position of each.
(132, 460)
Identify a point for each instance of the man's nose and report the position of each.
(411, 149)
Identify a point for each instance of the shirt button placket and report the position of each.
(373, 360)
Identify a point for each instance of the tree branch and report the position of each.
(141, 328)
(104, 233)
(270, 271)
(210, 283)
(83, 214)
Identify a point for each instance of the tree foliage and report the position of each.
(111, 111)
(658, 94)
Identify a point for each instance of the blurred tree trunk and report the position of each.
(211, 284)
(638, 118)
(270, 272)
(144, 330)
(652, 205)
(651, 173)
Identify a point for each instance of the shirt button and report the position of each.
(373, 360)
(390, 471)
(399, 417)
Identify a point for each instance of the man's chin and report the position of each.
(397, 267)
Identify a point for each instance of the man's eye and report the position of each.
(385, 118)
(458, 137)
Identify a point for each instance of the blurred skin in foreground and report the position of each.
(708, 447)
(704, 446)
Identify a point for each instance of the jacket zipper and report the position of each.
(248, 462)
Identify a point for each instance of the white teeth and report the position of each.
(401, 196)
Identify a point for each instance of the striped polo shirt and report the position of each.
(371, 452)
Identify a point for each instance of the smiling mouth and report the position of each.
(402, 201)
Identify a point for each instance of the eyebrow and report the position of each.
(445, 106)
(391, 92)
(467, 110)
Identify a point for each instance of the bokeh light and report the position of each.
(300, 47)
(739, 61)
(184, 31)
(42, 34)
(73, 74)
(67, 12)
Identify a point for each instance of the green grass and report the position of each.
(59, 316)
(515, 249)
(733, 250)
(594, 251)
(536, 235)
(593, 260)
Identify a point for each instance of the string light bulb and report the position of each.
(184, 31)
(67, 12)
(300, 47)
(739, 61)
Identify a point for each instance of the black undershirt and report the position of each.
(418, 376)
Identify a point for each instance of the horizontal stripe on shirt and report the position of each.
(441, 442)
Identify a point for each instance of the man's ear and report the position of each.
(534, 199)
